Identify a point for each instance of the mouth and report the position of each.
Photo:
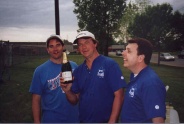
(85, 52)
(125, 60)
(56, 52)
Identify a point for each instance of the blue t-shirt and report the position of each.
(96, 87)
(54, 105)
(144, 98)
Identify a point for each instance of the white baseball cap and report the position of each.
(84, 34)
(54, 36)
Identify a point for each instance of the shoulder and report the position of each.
(107, 60)
(150, 77)
(43, 66)
(73, 63)
(79, 67)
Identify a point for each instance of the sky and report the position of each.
(34, 20)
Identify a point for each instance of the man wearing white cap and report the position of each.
(48, 99)
(98, 84)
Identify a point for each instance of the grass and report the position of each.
(15, 100)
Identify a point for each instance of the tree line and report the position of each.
(115, 21)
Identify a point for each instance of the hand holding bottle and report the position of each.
(65, 86)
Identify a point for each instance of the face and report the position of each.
(86, 47)
(55, 49)
(130, 57)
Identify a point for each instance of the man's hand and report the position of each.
(72, 97)
(65, 87)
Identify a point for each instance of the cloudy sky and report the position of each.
(34, 20)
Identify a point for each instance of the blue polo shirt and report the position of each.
(96, 87)
(144, 98)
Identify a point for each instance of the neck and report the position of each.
(89, 61)
(56, 61)
(138, 68)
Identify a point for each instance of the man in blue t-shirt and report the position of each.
(98, 84)
(145, 94)
(49, 103)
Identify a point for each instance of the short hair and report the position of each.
(144, 48)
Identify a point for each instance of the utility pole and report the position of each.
(57, 25)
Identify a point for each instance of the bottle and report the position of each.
(66, 70)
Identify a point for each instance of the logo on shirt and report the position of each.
(132, 91)
(100, 73)
(54, 83)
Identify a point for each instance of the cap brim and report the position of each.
(75, 41)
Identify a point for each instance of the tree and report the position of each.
(127, 18)
(131, 10)
(153, 24)
(100, 17)
(177, 24)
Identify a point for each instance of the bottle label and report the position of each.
(67, 75)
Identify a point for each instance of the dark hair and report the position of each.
(144, 48)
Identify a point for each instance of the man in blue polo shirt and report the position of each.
(98, 84)
(145, 94)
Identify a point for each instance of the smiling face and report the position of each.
(130, 56)
(55, 49)
(132, 60)
(87, 47)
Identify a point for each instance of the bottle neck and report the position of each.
(64, 57)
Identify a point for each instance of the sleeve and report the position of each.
(115, 77)
(73, 65)
(36, 86)
(154, 100)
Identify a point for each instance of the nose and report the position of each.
(122, 52)
(55, 48)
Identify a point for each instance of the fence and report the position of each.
(17, 53)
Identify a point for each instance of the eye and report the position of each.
(79, 45)
(58, 45)
(128, 50)
(87, 42)
(51, 46)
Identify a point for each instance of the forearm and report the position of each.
(158, 120)
(36, 114)
(36, 109)
(116, 108)
(72, 98)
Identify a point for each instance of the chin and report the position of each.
(125, 65)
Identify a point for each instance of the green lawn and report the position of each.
(15, 100)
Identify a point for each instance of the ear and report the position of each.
(141, 58)
(96, 44)
(47, 50)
